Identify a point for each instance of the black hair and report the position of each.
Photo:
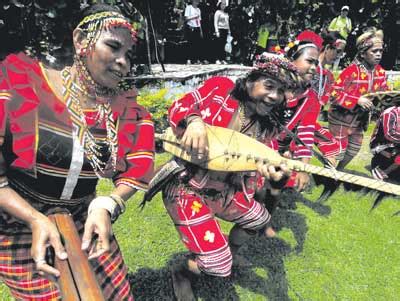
(288, 80)
(219, 5)
(329, 40)
(244, 84)
(294, 53)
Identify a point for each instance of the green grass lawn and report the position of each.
(339, 250)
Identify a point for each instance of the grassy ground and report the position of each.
(338, 250)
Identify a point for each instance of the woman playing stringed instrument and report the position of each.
(194, 197)
(59, 133)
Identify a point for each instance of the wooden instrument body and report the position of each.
(231, 151)
(77, 280)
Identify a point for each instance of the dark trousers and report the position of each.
(220, 42)
(194, 43)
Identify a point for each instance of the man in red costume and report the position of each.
(195, 196)
(385, 146)
(349, 114)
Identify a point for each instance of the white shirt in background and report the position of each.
(221, 20)
(190, 12)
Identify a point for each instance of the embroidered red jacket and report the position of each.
(300, 116)
(355, 81)
(28, 102)
(213, 103)
(387, 130)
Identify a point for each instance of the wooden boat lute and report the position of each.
(231, 151)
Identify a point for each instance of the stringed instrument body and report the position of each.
(231, 151)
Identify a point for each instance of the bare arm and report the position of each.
(43, 230)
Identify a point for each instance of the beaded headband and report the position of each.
(299, 47)
(94, 24)
(305, 46)
(278, 67)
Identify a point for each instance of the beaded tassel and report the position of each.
(92, 148)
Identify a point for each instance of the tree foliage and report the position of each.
(43, 26)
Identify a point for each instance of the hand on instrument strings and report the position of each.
(98, 222)
(272, 172)
(194, 140)
(365, 103)
(302, 180)
(45, 233)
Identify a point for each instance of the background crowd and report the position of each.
(43, 23)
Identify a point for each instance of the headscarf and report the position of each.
(368, 39)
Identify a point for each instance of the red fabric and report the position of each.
(311, 36)
(307, 108)
(355, 81)
(327, 85)
(24, 90)
(211, 102)
(194, 206)
(326, 142)
(387, 130)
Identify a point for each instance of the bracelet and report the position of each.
(193, 117)
(120, 201)
(107, 203)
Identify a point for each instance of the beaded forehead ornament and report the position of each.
(94, 24)
(279, 68)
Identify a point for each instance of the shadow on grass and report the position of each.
(267, 276)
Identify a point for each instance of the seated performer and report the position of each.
(385, 146)
(195, 196)
(59, 132)
(349, 112)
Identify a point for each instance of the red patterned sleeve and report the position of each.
(380, 75)
(342, 93)
(195, 102)
(308, 113)
(5, 97)
(136, 148)
(330, 81)
(391, 125)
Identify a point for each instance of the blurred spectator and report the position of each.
(342, 23)
(222, 30)
(194, 32)
(340, 47)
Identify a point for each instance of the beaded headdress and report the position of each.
(94, 24)
(278, 67)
